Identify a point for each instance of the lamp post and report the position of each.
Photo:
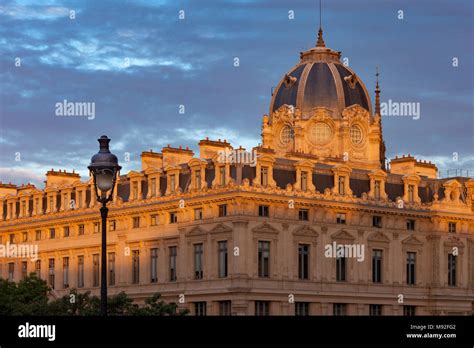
(104, 168)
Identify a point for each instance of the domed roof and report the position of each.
(320, 80)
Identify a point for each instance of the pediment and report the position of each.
(342, 234)
(220, 228)
(265, 228)
(306, 231)
(196, 230)
(412, 240)
(378, 237)
(454, 242)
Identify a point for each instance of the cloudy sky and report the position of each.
(138, 62)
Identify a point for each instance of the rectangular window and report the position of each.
(24, 269)
(339, 309)
(341, 218)
(411, 268)
(222, 210)
(377, 221)
(451, 270)
(95, 270)
(65, 272)
(377, 189)
(200, 308)
(135, 266)
(80, 271)
(198, 214)
(411, 193)
(452, 227)
(135, 190)
(52, 233)
(409, 311)
(197, 179)
(377, 266)
(111, 269)
(136, 222)
(342, 185)
(12, 238)
(154, 265)
(301, 308)
(25, 237)
(172, 263)
(410, 225)
(304, 181)
(262, 308)
(264, 176)
(11, 271)
(96, 227)
(198, 269)
(263, 259)
(222, 262)
(153, 187)
(303, 261)
(66, 231)
(173, 218)
(303, 214)
(38, 234)
(112, 225)
(341, 263)
(51, 273)
(154, 220)
(38, 268)
(225, 308)
(172, 182)
(263, 210)
(81, 230)
(375, 310)
(51, 206)
(222, 175)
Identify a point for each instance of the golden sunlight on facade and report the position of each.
(314, 224)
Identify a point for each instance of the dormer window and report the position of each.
(79, 200)
(197, 179)
(172, 182)
(222, 175)
(51, 207)
(135, 190)
(342, 180)
(23, 208)
(264, 176)
(153, 187)
(377, 189)
(411, 193)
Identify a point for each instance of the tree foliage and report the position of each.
(31, 296)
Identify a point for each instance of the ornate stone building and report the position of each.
(222, 235)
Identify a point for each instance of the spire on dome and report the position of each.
(320, 42)
(377, 93)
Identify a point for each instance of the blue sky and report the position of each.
(138, 62)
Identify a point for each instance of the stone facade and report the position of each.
(221, 237)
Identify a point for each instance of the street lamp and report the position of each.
(104, 168)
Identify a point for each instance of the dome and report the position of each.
(320, 80)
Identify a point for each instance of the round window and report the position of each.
(321, 132)
(356, 135)
(286, 135)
